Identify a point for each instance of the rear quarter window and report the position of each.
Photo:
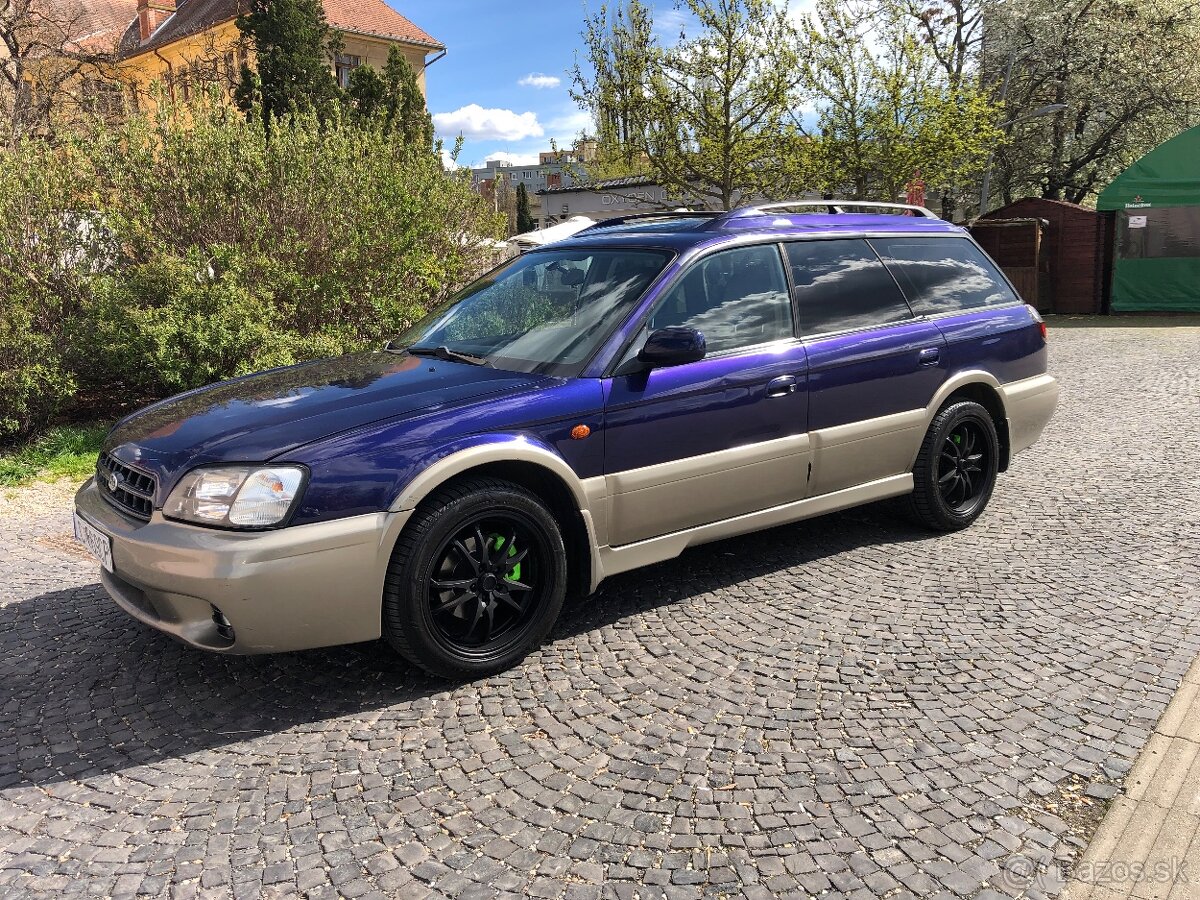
(841, 285)
(944, 275)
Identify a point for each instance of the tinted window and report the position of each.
(941, 275)
(736, 298)
(842, 285)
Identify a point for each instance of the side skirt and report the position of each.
(613, 560)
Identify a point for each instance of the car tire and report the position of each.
(453, 603)
(956, 468)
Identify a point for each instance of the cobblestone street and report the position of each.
(848, 706)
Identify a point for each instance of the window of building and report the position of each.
(842, 285)
(942, 275)
(102, 98)
(345, 65)
(735, 298)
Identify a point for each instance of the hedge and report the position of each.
(176, 250)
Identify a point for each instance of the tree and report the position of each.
(294, 47)
(525, 220)
(621, 51)
(43, 58)
(888, 105)
(393, 96)
(710, 116)
(367, 93)
(406, 110)
(1124, 72)
(504, 199)
(952, 29)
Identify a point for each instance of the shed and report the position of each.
(1156, 201)
(1069, 256)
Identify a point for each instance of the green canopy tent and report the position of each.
(1156, 259)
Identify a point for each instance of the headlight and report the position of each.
(236, 496)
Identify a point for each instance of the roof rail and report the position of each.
(660, 214)
(830, 206)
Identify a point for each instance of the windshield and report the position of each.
(544, 312)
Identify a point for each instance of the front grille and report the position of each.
(125, 488)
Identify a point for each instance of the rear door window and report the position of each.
(841, 285)
(943, 275)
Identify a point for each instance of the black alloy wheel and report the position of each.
(476, 580)
(962, 466)
(487, 582)
(956, 467)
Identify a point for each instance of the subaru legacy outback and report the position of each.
(653, 383)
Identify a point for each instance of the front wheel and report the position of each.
(476, 581)
(956, 469)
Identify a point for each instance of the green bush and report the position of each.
(168, 325)
(186, 247)
(45, 197)
(33, 383)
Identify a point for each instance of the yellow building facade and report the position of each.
(177, 48)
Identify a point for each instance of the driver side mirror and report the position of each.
(673, 346)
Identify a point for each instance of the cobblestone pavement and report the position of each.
(846, 707)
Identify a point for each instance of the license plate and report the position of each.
(96, 541)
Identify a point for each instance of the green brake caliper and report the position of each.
(498, 542)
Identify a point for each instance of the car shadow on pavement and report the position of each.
(85, 691)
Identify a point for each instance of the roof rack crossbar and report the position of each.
(831, 206)
(660, 214)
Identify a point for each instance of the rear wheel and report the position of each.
(476, 581)
(956, 469)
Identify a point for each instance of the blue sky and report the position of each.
(504, 82)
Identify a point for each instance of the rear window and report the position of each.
(943, 275)
(842, 285)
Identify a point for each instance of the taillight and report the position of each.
(1041, 323)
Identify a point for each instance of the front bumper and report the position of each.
(292, 589)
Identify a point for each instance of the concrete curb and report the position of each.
(1148, 846)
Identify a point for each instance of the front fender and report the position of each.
(589, 494)
(482, 449)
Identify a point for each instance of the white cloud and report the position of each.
(538, 80)
(513, 159)
(473, 121)
(798, 9)
(564, 129)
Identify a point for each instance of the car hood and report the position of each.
(259, 417)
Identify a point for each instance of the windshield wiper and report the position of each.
(444, 352)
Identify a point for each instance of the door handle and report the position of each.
(929, 356)
(781, 386)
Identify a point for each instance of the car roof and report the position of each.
(682, 231)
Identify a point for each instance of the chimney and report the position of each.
(151, 15)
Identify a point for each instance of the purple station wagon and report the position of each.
(653, 383)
